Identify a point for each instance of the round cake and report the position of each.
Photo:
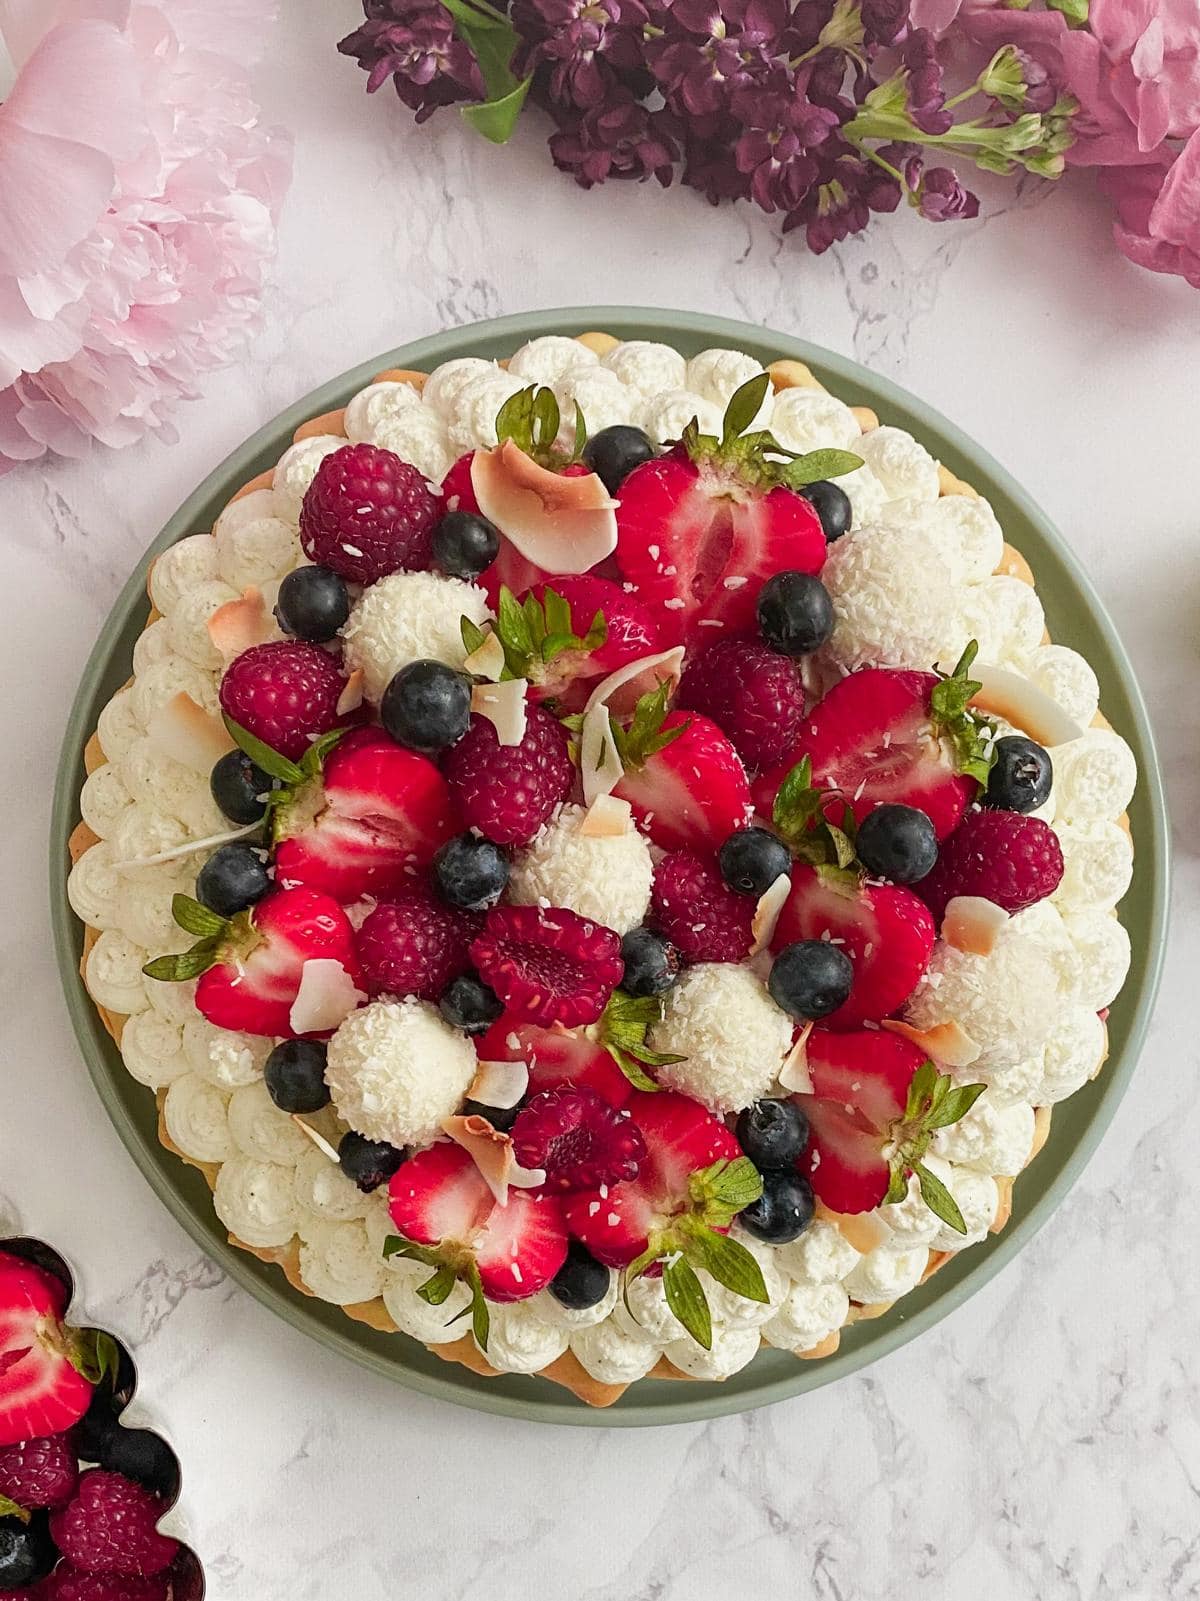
(601, 863)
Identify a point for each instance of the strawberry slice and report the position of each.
(885, 930)
(683, 778)
(875, 1106)
(47, 1370)
(555, 1058)
(448, 1218)
(250, 967)
(375, 814)
(883, 735)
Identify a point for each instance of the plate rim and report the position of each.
(695, 1402)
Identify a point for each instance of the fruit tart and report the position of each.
(601, 863)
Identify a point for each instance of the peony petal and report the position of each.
(81, 84)
(51, 194)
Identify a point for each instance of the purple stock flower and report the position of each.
(709, 167)
(941, 197)
(413, 42)
(583, 43)
(841, 202)
(710, 51)
(926, 92)
(619, 140)
(774, 150)
(884, 20)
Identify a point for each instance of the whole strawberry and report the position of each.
(367, 514)
(111, 1527)
(39, 1473)
(415, 944)
(508, 791)
(285, 694)
(749, 691)
(1003, 857)
(566, 634)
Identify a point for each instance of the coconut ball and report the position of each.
(965, 526)
(894, 598)
(648, 367)
(809, 419)
(546, 360)
(729, 1031)
(605, 878)
(904, 467)
(395, 1070)
(405, 617)
(372, 404)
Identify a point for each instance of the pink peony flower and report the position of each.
(1158, 212)
(139, 195)
(1153, 50)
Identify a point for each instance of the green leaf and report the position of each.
(816, 465)
(729, 1262)
(263, 756)
(196, 919)
(557, 612)
(581, 434)
(743, 407)
(511, 624)
(897, 1186)
(939, 1199)
(397, 1245)
(496, 119)
(955, 1104)
(492, 39)
(472, 635)
(95, 1355)
(313, 760)
(514, 420)
(438, 1288)
(921, 1091)
(628, 1064)
(10, 1509)
(1075, 11)
(686, 1298)
(481, 1322)
(734, 1184)
(186, 965)
(645, 735)
(546, 418)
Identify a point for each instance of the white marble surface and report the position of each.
(1041, 1443)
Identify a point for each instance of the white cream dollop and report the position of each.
(196, 1115)
(297, 468)
(809, 1314)
(256, 1201)
(610, 1355)
(519, 1341)
(338, 1265)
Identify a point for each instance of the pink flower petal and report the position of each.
(51, 194)
(81, 84)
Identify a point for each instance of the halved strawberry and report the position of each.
(885, 930)
(47, 1370)
(448, 1218)
(375, 814)
(555, 1057)
(884, 735)
(875, 1106)
(250, 967)
(683, 778)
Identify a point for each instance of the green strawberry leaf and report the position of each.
(397, 1245)
(534, 632)
(729, 1262)
(955, 1104)
(686, 1298)
(816, 465)
(726, 1184)
(271, 762)
(743, 407)
(897, 1185)
(313, 760)
(10, 1509)
(178, 969)
(581, 434)
(939, 1199)
(481, 1322)
(971, 735)
(622, 1032)
(645, 736)
(531, 419)
(799, 815)
(629, 1065)
(196, 919)
(438, 1288)
(921, 1092)
(472, 635)
(95, 1355)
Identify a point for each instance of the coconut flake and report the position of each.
(318, 1139)
(499, 1084)
(325, 997)
(766, 914)
(187, 733)
(1006, 694)
(600, 767)
(188, 848)
(794, 1074)
(608, 817)
(504, 707)
(948, 1043)
(351, 697)
(239, 625)
(638, 677)
(972, 924)
(487, 660)
(493, 1154)
(561, 524)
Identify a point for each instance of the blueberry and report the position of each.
(782, 1212)
(470, 872)
(772, 1134)
(1021, 777)
(142, 1455)
(27, 1552)
(832, 506)
(238, 786)
(465, 543)
(368, 1163)
(470, 1004)
(811, 978)
(313, 603)
(500, 1117)
(614, 452)
(295, 1075)
(427, 706)
(897, 842)
(651, 963)
(795, 613)
(232, 878)
(752, 859)
(581, 1281)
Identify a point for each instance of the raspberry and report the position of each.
(110, 1528)
(367, 514)
(508, 791)
(693, 907)
(39, 1473)
(71, 1584)
(751, 692)
(548, 966)
(285, 694)
(415, 945)
(1003, 857)
(578, 1139)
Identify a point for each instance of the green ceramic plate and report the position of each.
(1075, 617)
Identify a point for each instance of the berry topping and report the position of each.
(772, 1134)
(458, 492)
(239, 787)
(998, 856)
(468, 1003)
(751, 692)
(548, 965)
(752, 859)
(651, 963)
(694, 908)
(110, 1527)
(555, 1056)
(470, 872)
(313, 603)
(832, 506)
(795, 613)
(896, 842)
(233, 878)
(367, 514)
(46, 1369)
(500, 1117)
(614, 452)
(368, 1163)
(26, 1554)
(38, 1472)
(414, 945)
(143, 1456)
(68, 1583)
(811, 978)
(683, 778)
(285, 694)
(1021, 777)
(427, 706)
(465, 543)
(578, 1139)
(581, 1281)
(295, 1076)
(782, 1212)
(508, 791)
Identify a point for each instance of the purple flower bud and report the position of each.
(942, 198)
(621, 139)
(884, 20)
(926, 92)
